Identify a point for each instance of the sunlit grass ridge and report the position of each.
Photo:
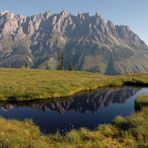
(27, 84)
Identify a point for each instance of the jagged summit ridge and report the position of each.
(88, 42)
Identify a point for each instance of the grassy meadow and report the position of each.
(27, 84)
(130, 132)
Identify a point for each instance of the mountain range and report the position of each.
(87, 42)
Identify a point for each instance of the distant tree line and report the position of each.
(61, 63)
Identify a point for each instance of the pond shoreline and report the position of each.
(67, 97)
(60, 98)
(88, 109)
(26, 84)
(123, 132)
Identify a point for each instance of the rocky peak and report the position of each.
(47, 14)
(110, 25)
(7, 14)
(83, 16)
(64, 14)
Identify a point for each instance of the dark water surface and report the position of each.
(84, 110)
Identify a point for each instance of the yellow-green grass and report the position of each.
(27, 84)
(129, 132)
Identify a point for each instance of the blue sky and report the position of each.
(133, 13)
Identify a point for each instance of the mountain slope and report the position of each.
(88, 43)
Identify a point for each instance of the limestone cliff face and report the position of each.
(88, 42)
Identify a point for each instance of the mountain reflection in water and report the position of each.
(84, 110)
(90, 101)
